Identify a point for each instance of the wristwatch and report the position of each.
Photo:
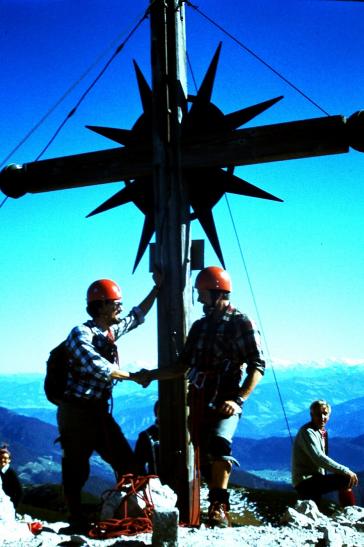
(239, 401)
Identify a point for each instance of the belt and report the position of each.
(81, 402)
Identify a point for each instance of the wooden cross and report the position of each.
(175, 159)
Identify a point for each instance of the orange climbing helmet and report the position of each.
(213, 278)
(103, 289)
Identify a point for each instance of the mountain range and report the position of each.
(262, 443)
(264, 463)
(273, 405)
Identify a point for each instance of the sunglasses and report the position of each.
(116, 304)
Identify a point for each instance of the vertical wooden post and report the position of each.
(172, 240)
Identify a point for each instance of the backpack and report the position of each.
(55, 380)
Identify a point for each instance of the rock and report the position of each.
(10, 529)
(165, 528)
(7, 511)
(309, 509)
(332, 538)
(353, 513)
(306, 514)
(294, 518)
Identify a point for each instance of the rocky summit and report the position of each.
(257, 521)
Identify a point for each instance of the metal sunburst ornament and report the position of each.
(204, 121)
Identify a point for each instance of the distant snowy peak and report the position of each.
(319, 364)
(331, 364)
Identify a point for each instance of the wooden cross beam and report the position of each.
(262, 144)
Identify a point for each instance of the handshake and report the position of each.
(143, 377)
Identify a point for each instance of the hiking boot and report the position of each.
(218, 515)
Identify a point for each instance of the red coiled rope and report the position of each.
(128, 526)
(112, 528)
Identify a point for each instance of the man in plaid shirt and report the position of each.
(217, 347)
(84, 420)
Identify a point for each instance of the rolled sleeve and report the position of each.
(250, 347)
(131, 321)
(138, 314)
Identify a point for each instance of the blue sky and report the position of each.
(304, 257)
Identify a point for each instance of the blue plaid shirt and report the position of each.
(89, 373)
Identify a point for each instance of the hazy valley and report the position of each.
(262, 444)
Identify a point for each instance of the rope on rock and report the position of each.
(131, 485)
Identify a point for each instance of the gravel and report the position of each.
(302, 525)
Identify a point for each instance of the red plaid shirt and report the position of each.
(219, 348)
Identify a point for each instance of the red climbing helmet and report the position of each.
(103, 289)
(213, 278)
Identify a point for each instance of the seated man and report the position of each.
(10, 482)
(310, 461)
(147, 447)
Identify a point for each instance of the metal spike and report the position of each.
(208, 224)
(147, 233)
(235, 185)
(240, 117)
(144, 90)
(122, 136)
(205, 91)
(126, 195)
